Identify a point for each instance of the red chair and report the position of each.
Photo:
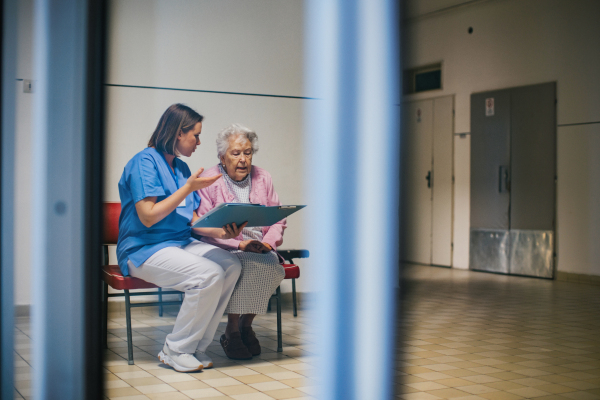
(292, 271)
(112, 276)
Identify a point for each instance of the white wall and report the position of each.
(239, 46)
(517, 43)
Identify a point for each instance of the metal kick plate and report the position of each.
(531, 253)
(489, 250)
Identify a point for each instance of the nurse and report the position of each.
(158, 197)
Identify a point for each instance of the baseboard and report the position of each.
(578, 278)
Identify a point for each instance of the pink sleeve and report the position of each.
(274, 234)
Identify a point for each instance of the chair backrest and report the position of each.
(110, 233)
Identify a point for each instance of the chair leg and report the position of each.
(105, 315)
(294, 297)
(269, 305)
(129, 338)
(160, 307)
(279, 339)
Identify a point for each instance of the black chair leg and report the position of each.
(279, 338)
(160, 307)
(294, 297)
(105, 314)
(129, 336)
(269, 305)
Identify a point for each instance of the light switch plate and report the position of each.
(27, 86)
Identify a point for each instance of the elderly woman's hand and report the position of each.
(232, 230)
(253, 246)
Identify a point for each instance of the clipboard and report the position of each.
(255, 214)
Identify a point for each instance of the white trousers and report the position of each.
(207, 275)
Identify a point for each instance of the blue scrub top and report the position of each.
(148, 174)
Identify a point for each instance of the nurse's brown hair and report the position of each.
(177, 119)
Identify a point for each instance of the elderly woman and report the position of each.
(255, 247)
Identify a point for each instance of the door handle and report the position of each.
(503, 180)
(428, 177)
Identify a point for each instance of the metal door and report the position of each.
(490, 171)
(533, 164)
(513, 169)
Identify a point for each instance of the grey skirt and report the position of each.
(261, 274)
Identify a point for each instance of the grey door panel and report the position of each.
(490, 161)
(533, 157)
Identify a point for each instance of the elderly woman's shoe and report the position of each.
(234, 347)
(250, 341)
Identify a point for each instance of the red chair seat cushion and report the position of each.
(292, 271)
(112, 275)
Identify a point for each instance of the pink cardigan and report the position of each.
(262, 193)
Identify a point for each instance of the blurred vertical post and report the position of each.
(67, 154)
(8, 26)
(352, 143)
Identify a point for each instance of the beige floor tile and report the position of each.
(297, 382)
(419, 396)
(133, 374)
(448, 393)
(500, 396)
(555, 388)
(143, 381)
(481, 379)
(121, 392)
(266, 386)
(454, 382)
(168, 396)
(235, 372)
(252, 396)
(506, 375)
(504, 385)
(529, 382)
(529, 392)
(254, 379)
(426, 386)
(476, 389)
(237, 389)
(189, 385)
(219, 382)
(178, 378)
(202, 393)
(284, 393)
(284, 375)
(161, 388)
(432, 376)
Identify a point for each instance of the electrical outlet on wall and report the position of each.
(27, 86)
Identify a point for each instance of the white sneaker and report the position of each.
(204, 359)
(181, 362)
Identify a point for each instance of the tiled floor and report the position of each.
(270, 376)
(476, 336)
(467, 336)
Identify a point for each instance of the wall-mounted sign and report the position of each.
(489, 107)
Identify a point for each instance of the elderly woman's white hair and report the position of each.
(235, 130)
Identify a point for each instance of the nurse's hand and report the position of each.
(232, 230)
(195, 182)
